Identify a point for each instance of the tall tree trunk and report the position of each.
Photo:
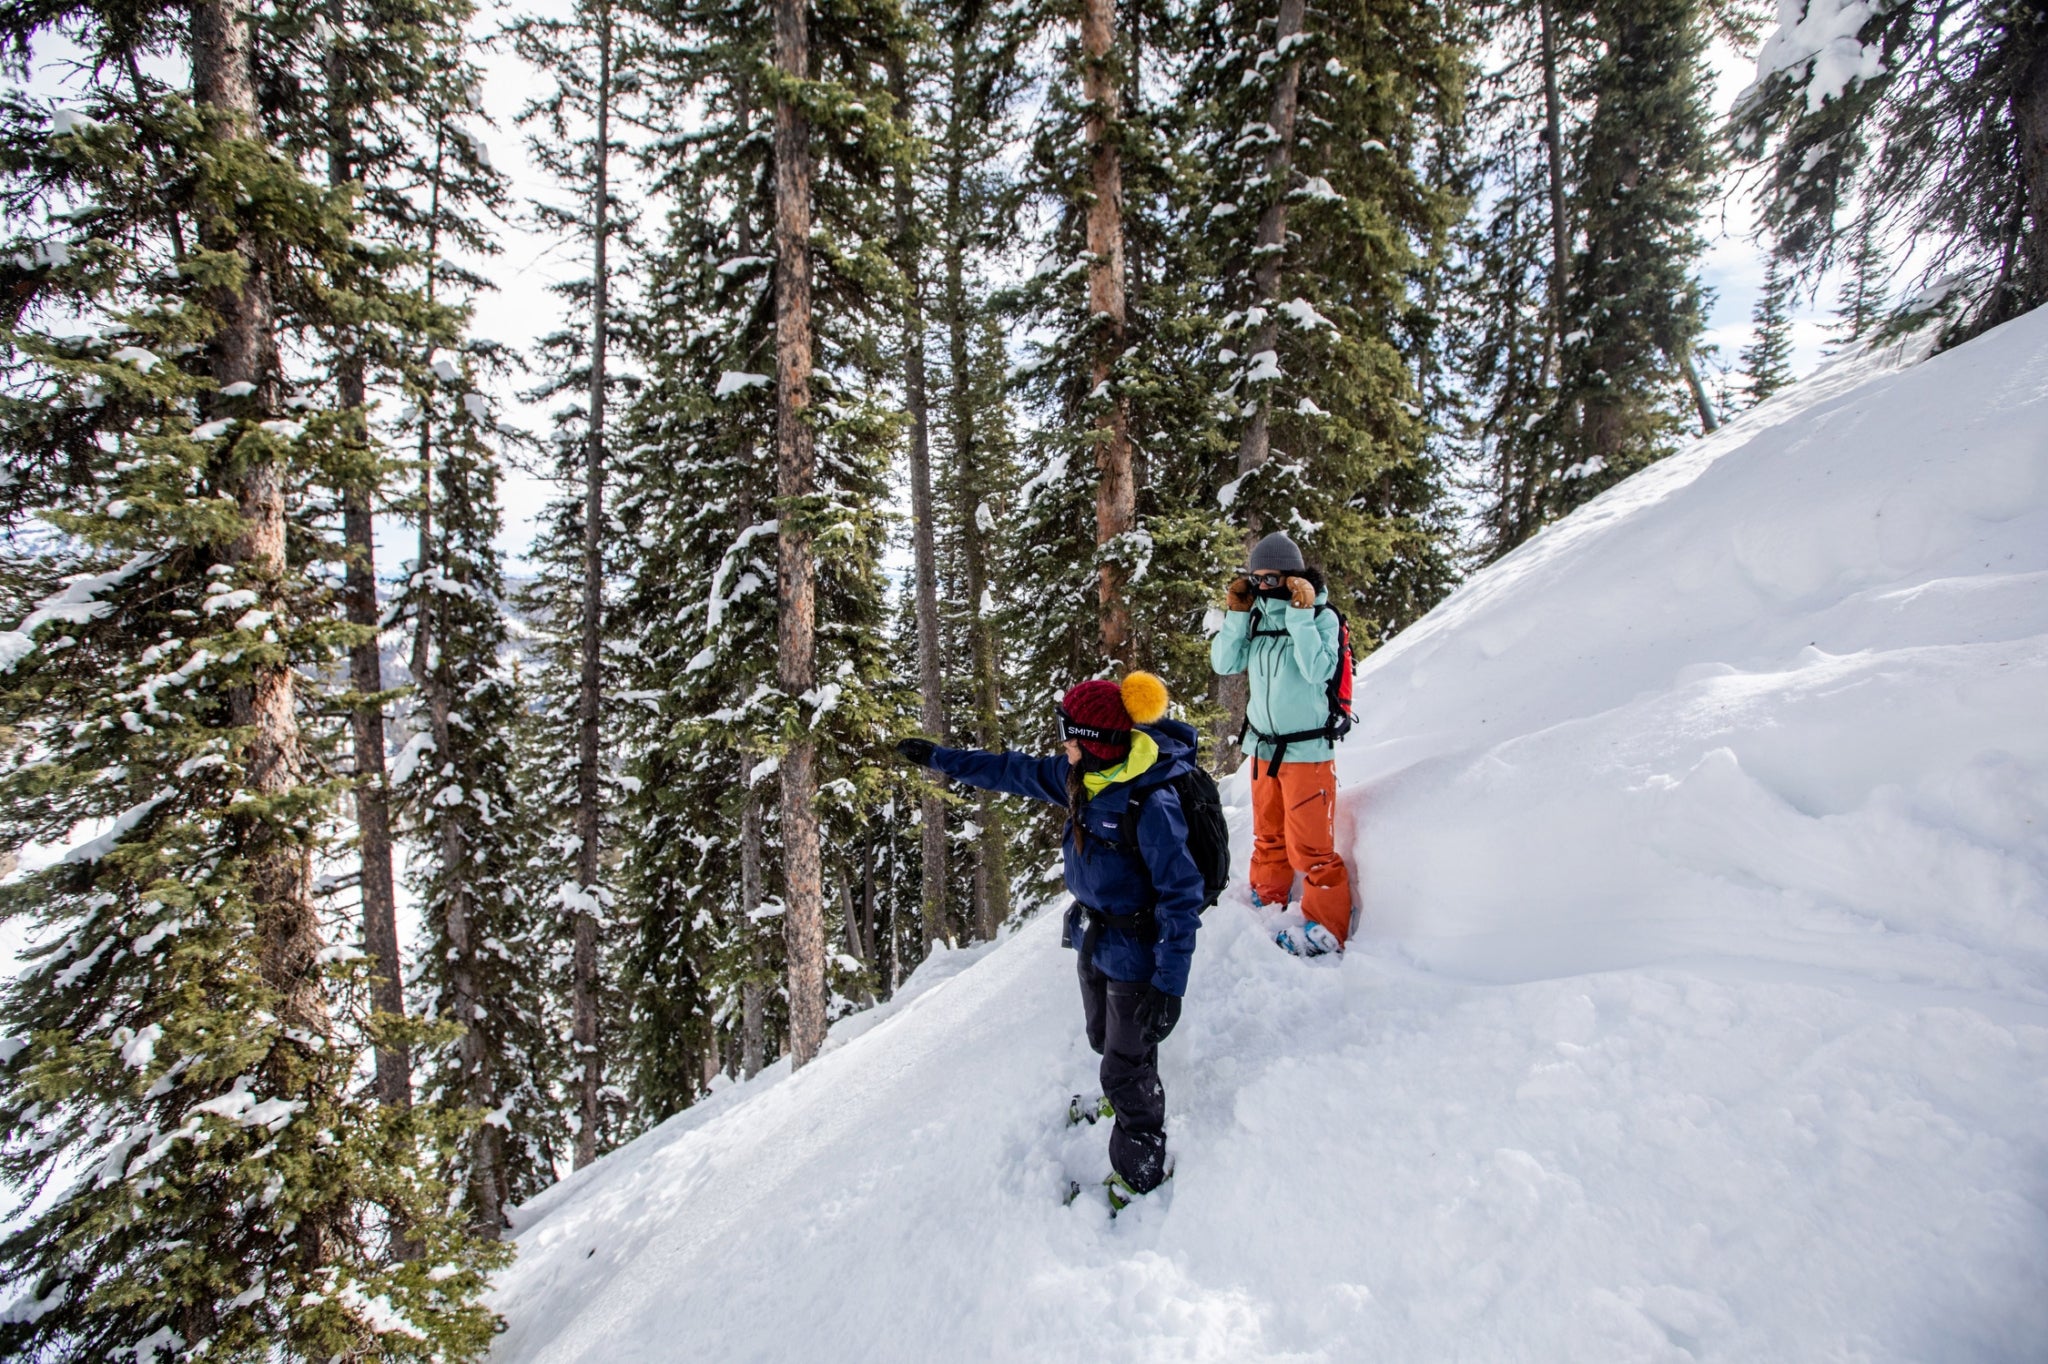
(803, 921)
(862, 994)
(243, 351)
(1255, 445)
(895, 925)
(1709, 423)
(930, 683)
(867, 905)
(366, 670)
(991, 875)
(2030, 122)
(1560, 223)
(753, 1022)
(1116, 496)
(588, 1044)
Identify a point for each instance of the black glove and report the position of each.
(1158, 1011)
(918, 751)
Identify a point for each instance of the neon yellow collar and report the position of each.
(1144, 753)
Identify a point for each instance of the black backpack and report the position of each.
(1201, 805)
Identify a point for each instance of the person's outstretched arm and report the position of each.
(1019, 774)
(1177, 881)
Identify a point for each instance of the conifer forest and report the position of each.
(919, 361)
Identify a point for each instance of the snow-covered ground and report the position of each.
(1698, 1007)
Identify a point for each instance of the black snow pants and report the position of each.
(1130, 1076)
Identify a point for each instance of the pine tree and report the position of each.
(183, 1045)
(697, 505)
(488, 961)
(975, 91)
(796, 474)
(909, 251)
(1508, 343)
(829, 454)
(1766, 361)
(1321, 132)
(384, 119)
(1085, 480)
(1861, 305)
(1934, 118)
(714, 717)
(957, 93)
(587, 55)
(1091, 529)
(1632, 306)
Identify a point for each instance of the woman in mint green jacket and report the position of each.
(1281, 634)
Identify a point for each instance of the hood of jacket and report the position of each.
(1159, 752)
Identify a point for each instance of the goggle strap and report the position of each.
(1071, 728)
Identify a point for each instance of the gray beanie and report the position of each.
(1276, 553)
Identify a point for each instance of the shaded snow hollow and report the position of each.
(1698, 1010)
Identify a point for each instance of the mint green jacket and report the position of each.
(1290, 652)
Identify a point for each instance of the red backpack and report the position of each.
(1342, 717)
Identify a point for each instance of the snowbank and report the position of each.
(1699, 1007)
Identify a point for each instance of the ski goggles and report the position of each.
(1070, 728)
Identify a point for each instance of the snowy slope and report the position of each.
(1699, 1007)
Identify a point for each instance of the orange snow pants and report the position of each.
(1294, 830)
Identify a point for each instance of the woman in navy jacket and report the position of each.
(1137, 900)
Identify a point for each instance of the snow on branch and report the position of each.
(76, 604)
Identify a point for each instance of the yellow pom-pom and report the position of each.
(1144, 698)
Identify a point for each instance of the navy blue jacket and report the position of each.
(1102, 875)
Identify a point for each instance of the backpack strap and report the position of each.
(1142, 923)
(1332, 731)
(1127, 838)
(1281, 741)
(1256, 633)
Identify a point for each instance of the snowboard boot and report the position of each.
(1090, 1111)
(1121, 1195)
(1308, 939)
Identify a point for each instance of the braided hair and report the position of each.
(1077, 796)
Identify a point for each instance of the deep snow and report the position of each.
(1698, 1007)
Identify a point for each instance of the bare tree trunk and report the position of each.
(366, 672)
(753, 1024)
(867, 906)
(991, 875)
(1116, 499)
(895, 926)
(1709, 423)
(2030, 122)
(588, 1044)
(930, 682)
(243, 351)
(803, 922)
(1255, 445)
(1560, 223)
(863, 994)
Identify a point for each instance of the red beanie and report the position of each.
(1099, 704)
